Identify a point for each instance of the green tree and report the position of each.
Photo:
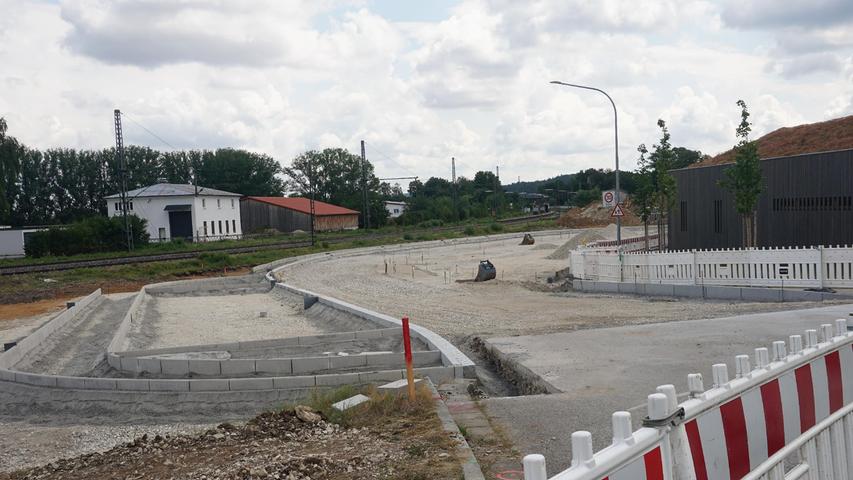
(656, 187)
(242, 172)
(338, 179)
(743, 179)
(10, 164)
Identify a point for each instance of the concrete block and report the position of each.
(397, 386)
(163, 385)
(205, 367)
(275, 342)
(315, 339)
(627, 287)
(99, 383)
(209, 385)
(7, 375)
(129, 364)
(387, 360)
(135, 384)
(347, 361)
(608, 287)
(803, 296)
(233, 367)
(380, 376)
(76, 383)
(287, 383)
(238, 384)
(114, 361)
(687, 291)
(373, 334)
(171, 366)
(274, 365)
(659, 289)
(35, 379)
(350, 402)
(310, 364)
(761, 294)
(723, 293)
(426, 357)
(150, 365)
(438, 375)
(335, 379)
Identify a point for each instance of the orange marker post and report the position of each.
(407, 344)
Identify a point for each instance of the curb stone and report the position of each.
(470, 466)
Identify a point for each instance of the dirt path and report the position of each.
(74, 349)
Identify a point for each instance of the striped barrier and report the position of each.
(782, 418)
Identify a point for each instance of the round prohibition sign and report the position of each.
(608, 197)
(510, 475)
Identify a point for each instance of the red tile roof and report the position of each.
(304, 205)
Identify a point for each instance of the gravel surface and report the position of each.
(517, 302)
(75, 349)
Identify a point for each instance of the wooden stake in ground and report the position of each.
(407, 345)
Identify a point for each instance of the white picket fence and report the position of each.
(785, 417)
(756, 267)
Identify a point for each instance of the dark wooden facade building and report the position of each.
(807, 200)
(287, 214)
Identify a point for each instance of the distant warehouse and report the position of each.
(294, 213)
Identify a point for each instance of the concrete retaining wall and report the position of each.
(285, 366)
(119, 340)
(712, 292)
(14, 355)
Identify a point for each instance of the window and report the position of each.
(232, 203)
(205, 228)
(162, 232)
(718, 216)
(234, 225)
(798, 204)
(683, 216)
(213, 228)
(227, 227)
(220, 227)
(203, 203)
(116, 206)
(131, 205)
(396, 210)
(218, 203)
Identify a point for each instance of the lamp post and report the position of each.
(616, 137)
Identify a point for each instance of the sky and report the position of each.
(422, 81)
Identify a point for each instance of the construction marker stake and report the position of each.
(407, 345)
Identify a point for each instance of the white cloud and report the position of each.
(282, 77)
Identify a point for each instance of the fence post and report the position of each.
(534, 467)
(820, 269)
(681, 465)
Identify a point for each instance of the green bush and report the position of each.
(470, 230)
(215, 260)
(496, 227)
(324, 244)
(94, 234)
(430, 223)
(408, 236)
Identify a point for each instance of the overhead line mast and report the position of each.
(122, 165)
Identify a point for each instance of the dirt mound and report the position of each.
(582, 238)
(594, 215)
(836, 134)
(272, 445)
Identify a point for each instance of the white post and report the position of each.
(820, 269)
(681, 460)
(581, 448)
(534, 467)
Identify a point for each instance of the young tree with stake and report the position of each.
(743, 179)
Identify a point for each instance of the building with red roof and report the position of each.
(287, 214)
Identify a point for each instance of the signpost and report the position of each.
(607, 199)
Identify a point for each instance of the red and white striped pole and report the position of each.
(407, 345)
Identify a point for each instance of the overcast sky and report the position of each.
(421, 81)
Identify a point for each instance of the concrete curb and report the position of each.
(708, 292)
(470, 467)
(527, 381)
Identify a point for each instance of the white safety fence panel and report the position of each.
(774, 267)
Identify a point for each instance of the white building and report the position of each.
(179, 211)
(395, 209)
(13, 240)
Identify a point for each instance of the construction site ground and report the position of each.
(430, 285)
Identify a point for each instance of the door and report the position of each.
(181, 225)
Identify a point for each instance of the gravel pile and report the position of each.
(274, 445)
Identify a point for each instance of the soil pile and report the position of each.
(578, 240)
(836, 134)
(594, 215)
(273, 445)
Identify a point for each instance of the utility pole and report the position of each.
(122, 165)
(311, 201)
(455, 194)
(497, 181)
(364, 187)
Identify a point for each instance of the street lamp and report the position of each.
(616, 136)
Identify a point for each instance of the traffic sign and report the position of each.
(608, 199)
(617, 211)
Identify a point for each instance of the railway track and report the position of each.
(106, 262)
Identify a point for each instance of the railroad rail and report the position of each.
(131, 259)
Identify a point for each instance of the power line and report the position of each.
(158, 137)
(373, 148)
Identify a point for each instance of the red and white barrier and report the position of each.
(745, 426)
